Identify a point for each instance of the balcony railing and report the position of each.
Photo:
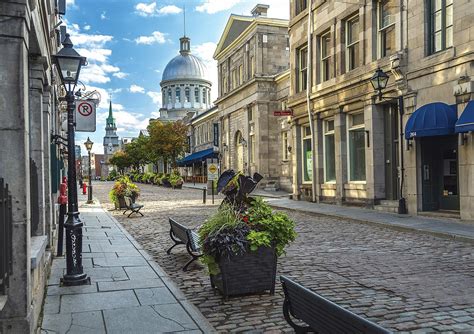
(6, 219)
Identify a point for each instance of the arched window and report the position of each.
(204, 96)
(187, 97)
(196, 94)
(169, 96)
(178, 95)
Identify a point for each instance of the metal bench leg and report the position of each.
(138, 211)
(124, 212)
(185, 268)
(298, 329)
(176, 242)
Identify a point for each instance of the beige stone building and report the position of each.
(353, 152)
(253, 59)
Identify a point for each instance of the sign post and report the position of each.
(212, 174)
(86, 115)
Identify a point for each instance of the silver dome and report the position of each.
(184, 66)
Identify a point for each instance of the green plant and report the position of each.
(229, 232)
(123, 187)
(175, 179)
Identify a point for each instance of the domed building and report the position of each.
(185, 90)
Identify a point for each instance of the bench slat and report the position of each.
(179, 230)
(323, 315)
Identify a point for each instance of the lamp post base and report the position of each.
(73, 280)
(402, 206)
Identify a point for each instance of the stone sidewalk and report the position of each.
(129, 292)
(447, 227)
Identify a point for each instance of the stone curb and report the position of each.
(203, 324)
(401, 228)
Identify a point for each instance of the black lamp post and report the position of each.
(88, 144)
(69, 63)
(379, 81)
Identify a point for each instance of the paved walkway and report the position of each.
(129, 293)
(441, 227)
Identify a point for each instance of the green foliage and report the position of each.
(121, 160)
(123, 187)
(175, 179)
(167, 141)
(280, 228)
(112, 176)
(259, 239)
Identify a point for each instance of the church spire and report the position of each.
(184, 42)
(110, 119)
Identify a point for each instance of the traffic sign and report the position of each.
(212, 170)
(86, 115)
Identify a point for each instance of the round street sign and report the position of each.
(85, 109)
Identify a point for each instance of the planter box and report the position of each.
(166, 183)
(121, 203)
(252, 272)
(178, 186)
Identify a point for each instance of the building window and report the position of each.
(356, 147)
(187, 95)
(252, 148)
(204, 96)
(325, 56)
(302, 74)
(284, 140)
(329, 152)
(250, 114)
(170, 96)
(178, 95)
(386, 27)
(224, 88)
(352, 43)
(196, 95)
(307, 153)
(252, 66)
(241, 74)
(234, 79)
(300, 5)
(441, 25)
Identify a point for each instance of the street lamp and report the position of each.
(69, 63)
(88, 144)
(379, 81)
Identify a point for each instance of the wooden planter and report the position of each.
(121, 203)
(252, 272)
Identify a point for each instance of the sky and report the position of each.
(129, 42)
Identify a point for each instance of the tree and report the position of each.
(121, 160)
(167, 141)
(137, 152)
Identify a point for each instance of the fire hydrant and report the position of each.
(84, 188)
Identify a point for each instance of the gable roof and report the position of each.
(238, 26)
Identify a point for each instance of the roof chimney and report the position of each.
(260, 10)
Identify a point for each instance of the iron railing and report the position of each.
(6, 220)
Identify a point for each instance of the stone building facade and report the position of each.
(29, 162)
(252, 54)
(353, 151)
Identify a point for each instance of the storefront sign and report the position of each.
(216, 134)
(288, 112)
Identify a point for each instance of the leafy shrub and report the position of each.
(123, 187)
(175, 179)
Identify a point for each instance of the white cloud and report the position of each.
(137, 89)
(215, 6)
(87, 27)
(99, 55)
(97, 73)
(150, 9)
(103, 16)
(155, 96)
(156, 37)
(170, 9)
(70, 3)
(120, 75)
(145, 10)
(205, 51)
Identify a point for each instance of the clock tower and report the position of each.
(111, 141)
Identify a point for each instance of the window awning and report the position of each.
(433, 119)
(465, 122)
(197, 157)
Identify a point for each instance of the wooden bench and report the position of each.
(181, 235)
(133, 207)
(321, 315)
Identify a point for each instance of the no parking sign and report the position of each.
(86, 115)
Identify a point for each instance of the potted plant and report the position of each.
(242, 241)
(176, 180)
(165, 181)
(122, 188)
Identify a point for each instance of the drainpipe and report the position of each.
(308, 104)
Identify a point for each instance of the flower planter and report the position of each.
(121, 203)
(178, 186)
(251, 272)
(166, 183)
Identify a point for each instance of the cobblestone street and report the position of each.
(404, 281)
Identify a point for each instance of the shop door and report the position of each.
(439, 171)
(391, 140)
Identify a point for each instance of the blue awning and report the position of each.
(197, 157)
(465, 122)
(433, 119)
